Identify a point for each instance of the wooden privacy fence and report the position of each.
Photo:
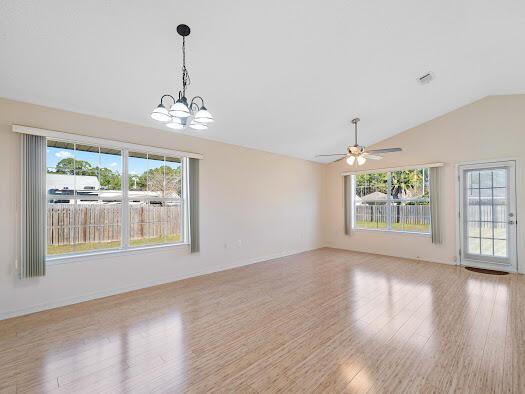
(83, 223)
(408, 214)
(420, 214)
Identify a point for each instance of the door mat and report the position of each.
(484, 271)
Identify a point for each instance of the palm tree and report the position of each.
(401, 183)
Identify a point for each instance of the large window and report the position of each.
(90, 208)
(392, 201)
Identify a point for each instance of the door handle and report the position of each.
(511, 222)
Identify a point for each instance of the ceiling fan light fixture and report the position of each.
(350, 160)
(358, 153)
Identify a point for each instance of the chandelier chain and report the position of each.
(185, 75)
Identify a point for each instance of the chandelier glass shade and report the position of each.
(182, 114)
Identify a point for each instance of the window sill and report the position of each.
(75, 258)
(378, 230)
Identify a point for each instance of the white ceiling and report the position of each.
(281, 76)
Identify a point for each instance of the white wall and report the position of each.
(270, 203)
(491, 128)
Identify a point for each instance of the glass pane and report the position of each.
(486, 213)
(485, 194)
(155, 176)
(371, 187)
(500, 248)
(500, 230)
(500, 178)
(485, 179)
(137, 168)
(60, 169)
(408, 184)
(474, 229)
(155, 223)
(473, 245)
(82, 226)
(414, 217)
(486, 246)
(473, 179)
(500, 193)
(486, 229)
(86, 170)
(173, 178)
(110, 173)
(371, 215)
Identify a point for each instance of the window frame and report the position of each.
(125, 248)
(389, 201)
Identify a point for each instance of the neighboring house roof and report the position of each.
(375, 196)
(72, 182)
(135, 194)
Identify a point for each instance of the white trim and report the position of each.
(387, 169)
(103, 142)
(380, 230)
(67, 258)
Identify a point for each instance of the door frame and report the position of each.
(459, 203)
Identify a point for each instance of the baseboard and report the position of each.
(397, 257)
(138, 286)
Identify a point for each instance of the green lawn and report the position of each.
(422, 228)
(91, 246)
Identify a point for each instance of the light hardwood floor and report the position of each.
(327, 320)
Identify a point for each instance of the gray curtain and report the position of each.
(435, 186)
(33, 234)
(348, 203)
(193, 178)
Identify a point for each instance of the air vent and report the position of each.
(426, 78)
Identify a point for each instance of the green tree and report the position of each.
(402, 183)
(164, 179)
(109, 180)
(71, 166)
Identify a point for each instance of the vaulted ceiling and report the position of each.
(281, 76)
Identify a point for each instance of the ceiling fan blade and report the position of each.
(372, 157)
(342, 158)
(386, 150)
(332, 154)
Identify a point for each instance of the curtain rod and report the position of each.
(410, 167)
(59, 135)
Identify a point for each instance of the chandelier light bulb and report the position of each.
(175, 124)
(180, 108)
(160, 113)
(350, 160)
(197, 125)
(361, 160)
(203, 116)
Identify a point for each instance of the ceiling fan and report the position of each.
(359, 154)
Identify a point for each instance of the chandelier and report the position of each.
(183, 114)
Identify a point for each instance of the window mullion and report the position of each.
(389, 201)
(124, 230)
